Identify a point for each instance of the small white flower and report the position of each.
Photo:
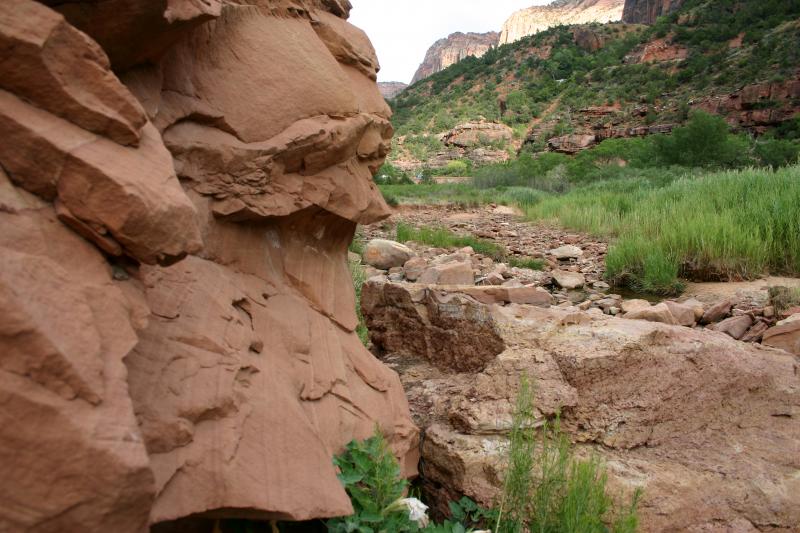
(417, 511)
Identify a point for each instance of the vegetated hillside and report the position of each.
(569, 88)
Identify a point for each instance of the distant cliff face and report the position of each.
(538, 18)
(647, 11)
(446, 52)
(390, 89)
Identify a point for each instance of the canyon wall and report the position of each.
(451, 50)
(535, 19)
(179, 183)
(390, 89)
(647, 11)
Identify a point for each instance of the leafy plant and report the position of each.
(371, 476)
(547, 489)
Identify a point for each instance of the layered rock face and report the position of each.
(179, 182)
(390, 89)
(707, 426)
(452, 49)
(647, 11)
(561, 12)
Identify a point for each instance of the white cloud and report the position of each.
(403, 30)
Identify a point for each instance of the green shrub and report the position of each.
(777, 152)
(389, 174)
(705, 141)
(526, 262)
(547, 489)
(391, 201)
(443, 238)
(371, 476)
(359, 277)
(783, 298)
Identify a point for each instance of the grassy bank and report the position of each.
(443, 238)
(724, 225)
(463, 194)
(713, 226)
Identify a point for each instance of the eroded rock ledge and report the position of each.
(179, 182)
(708, 426)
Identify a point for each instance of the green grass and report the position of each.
(463, 194)
(526, 262)
(724, 225)
(359, 277)
(443, 238)
(783, 298)
(547, 489)
(664, 224)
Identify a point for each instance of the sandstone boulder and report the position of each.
(697, 306)
(494, 278)
(684, 313)
(786, 337)
(568, 251)
(756, 333)
(656, 313)
(569, 280)
(456, 273)
(505, 295)
(414, 267)
(632, 306)
(384, 254)
(680, 413)
(431, 324)
(735, 326)
(717, 312)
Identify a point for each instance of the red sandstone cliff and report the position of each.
(179, 182)
(451, 50)
(647, 11)
(390, 89)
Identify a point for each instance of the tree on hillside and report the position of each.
(705, 141)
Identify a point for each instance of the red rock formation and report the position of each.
(472, 134)
(647, 11)
(535, 19)
(704, 424)
(657, 51)
(758, 106)
(190, 343)
(390, 89)
(452, 49)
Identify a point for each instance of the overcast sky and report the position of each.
(403, 30)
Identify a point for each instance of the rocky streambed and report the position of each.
(677, 397)
(568, 274)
